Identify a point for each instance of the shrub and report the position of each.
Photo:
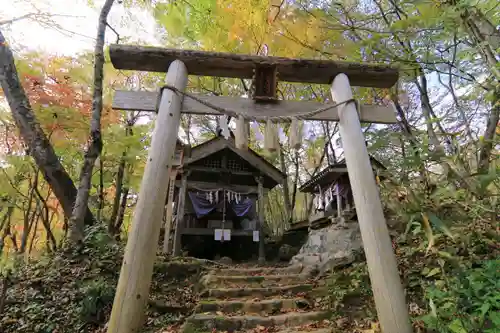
(466, 303)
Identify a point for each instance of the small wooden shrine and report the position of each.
(332, 193)
(217, 189)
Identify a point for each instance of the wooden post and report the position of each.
(339, 203)
(262, 253)
(382, 267)
(132, 291)
(180, 214)
(168, 214)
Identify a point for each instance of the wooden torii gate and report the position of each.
(136, 272)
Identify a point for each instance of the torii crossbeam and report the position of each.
(135, 277)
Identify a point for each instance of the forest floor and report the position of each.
(69, 294)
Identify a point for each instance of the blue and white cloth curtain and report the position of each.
(207, 201)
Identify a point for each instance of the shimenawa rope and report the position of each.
(302, 116)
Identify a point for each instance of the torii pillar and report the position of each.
(132, 291)
(382, 266)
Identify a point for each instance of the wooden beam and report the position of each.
(169, 210)
(339, 202)
(157, 59)
(132, 292)
(146, 101)
(382, 266)
(180, 214)
(262, 252)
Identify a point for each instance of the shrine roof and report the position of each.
(251, 163)
(331, 173)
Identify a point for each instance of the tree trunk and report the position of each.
(28, 221)
(3, 293)
(39, 146)
(118, 194)
(46, 221)
(121, 211)
(101, 190)
(489, 135)
(76, 223)
(331, 159)
(119, 181)
(426, 106)
(484, 35)
(5, 226)
(408, 133)
(486, 38)
(37, 219)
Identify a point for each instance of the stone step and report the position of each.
(225, 293)
(270, 306)
(296, 269)
(209, 322)
(211, 280)
(307, 330)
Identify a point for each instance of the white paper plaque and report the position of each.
(222, 234)
(218, 234)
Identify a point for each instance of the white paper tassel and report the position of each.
(224, 127)
(270, 136)
(295, 137)
(241, 133)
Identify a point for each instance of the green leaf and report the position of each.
(446, 306)
(440, 224)
(456, 327)
(495, 318)
(484, 309)
(446, 255)
(433, 308)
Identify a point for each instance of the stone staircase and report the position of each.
(259, 298)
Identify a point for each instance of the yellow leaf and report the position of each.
(428, 231)
(433, 272)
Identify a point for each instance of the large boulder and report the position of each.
(330, 247)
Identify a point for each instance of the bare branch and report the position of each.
(35, 16)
